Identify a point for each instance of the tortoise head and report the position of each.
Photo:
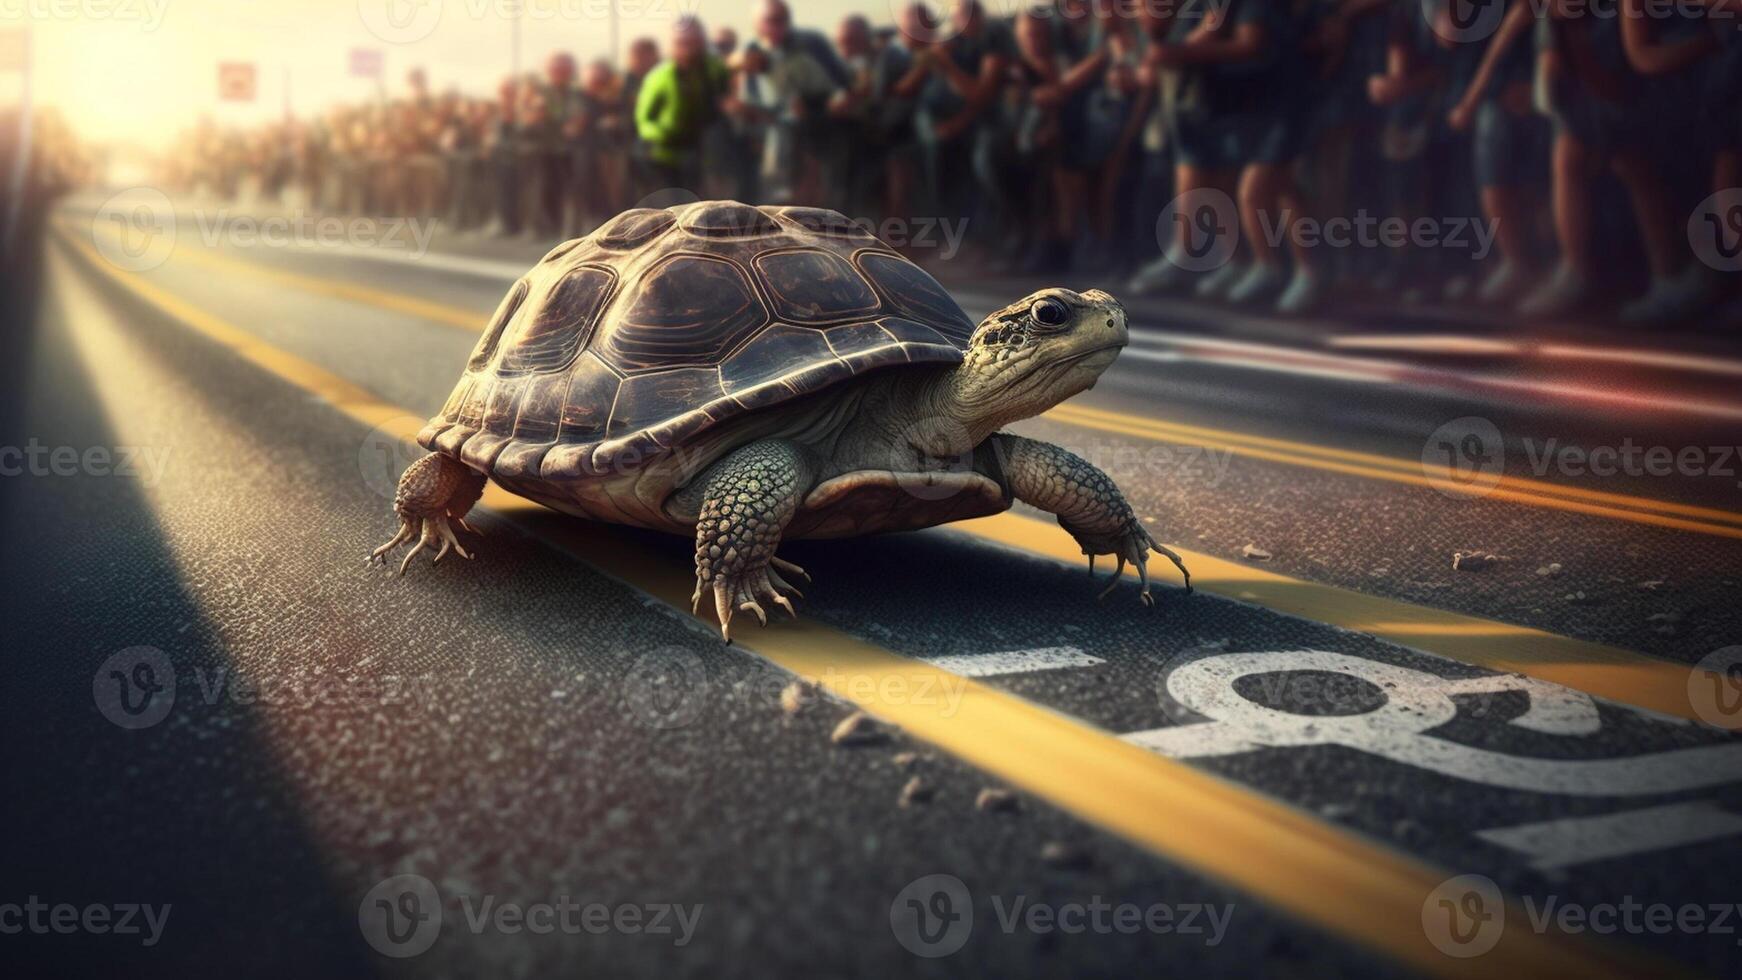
(1037, 352)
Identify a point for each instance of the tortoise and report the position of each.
(747, 375)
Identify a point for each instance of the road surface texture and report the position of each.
(1331, 759)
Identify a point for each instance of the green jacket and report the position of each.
(675, 107)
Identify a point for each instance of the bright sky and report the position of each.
(136, 71)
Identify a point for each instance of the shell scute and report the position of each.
(663, 323)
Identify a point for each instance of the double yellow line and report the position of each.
(1360, 890)
(1511, 489)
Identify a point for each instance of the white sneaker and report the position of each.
(1563, 292)
(1671, 298)
(1303, 293)
(1215, 285)
(1262, 281)
(1164, 275)
(1502, 285)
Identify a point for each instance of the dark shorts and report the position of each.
(1661, 116)
(1275, 138)
(1510, 150)
(1216, 143)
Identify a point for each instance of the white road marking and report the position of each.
(1012, 661)
(1415, 703)
(1577, 840)
(1554, 710)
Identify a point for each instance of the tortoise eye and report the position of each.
(1049, 312)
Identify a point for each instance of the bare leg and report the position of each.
(1087, 503)
(745, 502)
(433, 491)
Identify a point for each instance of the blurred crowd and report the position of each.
(1546, 156)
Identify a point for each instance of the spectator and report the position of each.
(809, 85)
(678, 100)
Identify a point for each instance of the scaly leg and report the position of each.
(433, 491)
(1087, 504)
(746, 500)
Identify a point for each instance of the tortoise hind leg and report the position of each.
(433, 491)
(746, 501)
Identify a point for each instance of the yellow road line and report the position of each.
(1605, 671)
(1410, 471)
(1518, 490)
(1594, 668)
(1360, 890)
(443, 313)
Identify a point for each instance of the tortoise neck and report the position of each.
(957, 408)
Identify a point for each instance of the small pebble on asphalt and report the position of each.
(994, 800)
(858, 728)
(1062, 855)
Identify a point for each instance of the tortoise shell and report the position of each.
(616, 348)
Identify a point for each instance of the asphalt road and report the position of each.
(537, 727)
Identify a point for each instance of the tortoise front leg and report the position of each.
(1088, 504)
(747, 499)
